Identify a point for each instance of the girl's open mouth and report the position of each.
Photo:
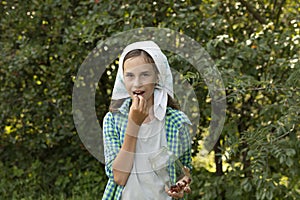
(138, 92)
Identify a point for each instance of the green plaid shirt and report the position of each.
(114, 127)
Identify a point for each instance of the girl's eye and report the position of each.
(129, 75)
(146, 75)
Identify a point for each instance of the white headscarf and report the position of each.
(165, 80)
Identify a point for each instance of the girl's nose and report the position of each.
(137, 82)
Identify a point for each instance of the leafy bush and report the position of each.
(255, 46)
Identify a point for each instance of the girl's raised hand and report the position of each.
(138, 110)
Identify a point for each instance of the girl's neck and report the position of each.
(150, 117)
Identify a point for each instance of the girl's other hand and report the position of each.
(182, 186)
(138, 110)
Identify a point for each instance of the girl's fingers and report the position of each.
(138, 111)
(142, 103)
(187, 189)
(176, 195)
(179, 194)
(145, 105)
(135, 101)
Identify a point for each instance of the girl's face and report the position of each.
(140, 78)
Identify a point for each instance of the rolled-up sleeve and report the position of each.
(185, 138)
(111, 142)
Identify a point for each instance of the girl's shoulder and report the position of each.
(119, 112)
(115, 117)
(176, 117)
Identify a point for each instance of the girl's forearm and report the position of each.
(123, 163)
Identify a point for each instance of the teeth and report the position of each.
(138, 92)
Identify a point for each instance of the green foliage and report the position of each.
(51, 173)
(255, 46)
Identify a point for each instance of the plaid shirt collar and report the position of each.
(124, 109)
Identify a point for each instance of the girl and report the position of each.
(143, 118)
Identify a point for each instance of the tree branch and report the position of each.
(255, 14)
(218, 158)
(279, 11)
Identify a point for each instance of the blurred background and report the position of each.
(254, 44)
